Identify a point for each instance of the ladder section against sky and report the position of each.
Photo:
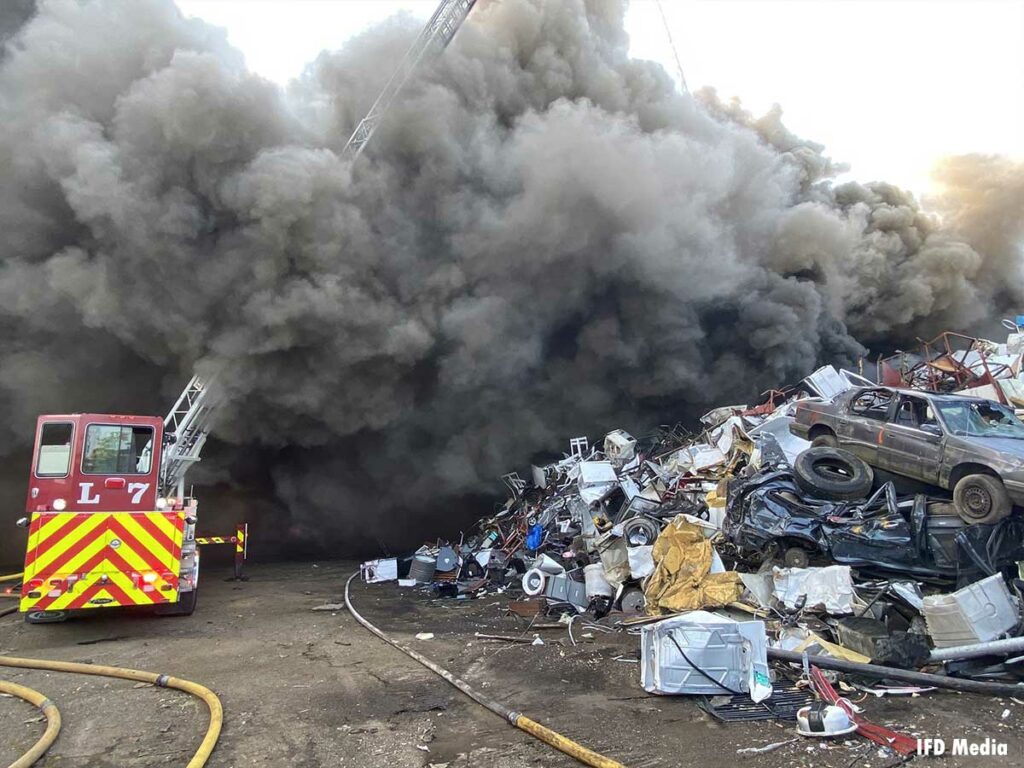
(190, 420)
(434, 38)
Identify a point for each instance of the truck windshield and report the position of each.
(969, 419)
(111, 450)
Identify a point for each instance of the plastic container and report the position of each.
(979, 612)
(549, 565)
(597, 584)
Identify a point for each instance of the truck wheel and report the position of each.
(981, 499)
(833, 474)
(185, 606)
(827, 440)
(45, 617)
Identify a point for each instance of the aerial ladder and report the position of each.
(110, 521)
(190, 420)
(432, 41)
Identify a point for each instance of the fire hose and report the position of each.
(11, 577)
(163, 681)
(45, 706)
(518, 719)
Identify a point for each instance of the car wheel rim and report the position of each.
(977, 502)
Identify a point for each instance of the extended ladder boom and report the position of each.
(190, 420)
(188, 425)
(434, 38)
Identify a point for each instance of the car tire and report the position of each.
(796, 557)
(827, 440)
(833, 474)
(981, 499)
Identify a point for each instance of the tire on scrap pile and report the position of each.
(833, 474)
(981, 499)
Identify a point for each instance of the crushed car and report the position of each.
(971, 446)
(779, 514)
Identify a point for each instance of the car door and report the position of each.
(860, 431)
(911, 443)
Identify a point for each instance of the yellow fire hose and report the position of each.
(48, 708)
(163, 681)
(518, 719)
(11, 577)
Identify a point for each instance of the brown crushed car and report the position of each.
(969, 445)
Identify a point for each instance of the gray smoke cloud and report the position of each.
(545, 239)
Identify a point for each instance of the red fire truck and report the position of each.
(108, 519)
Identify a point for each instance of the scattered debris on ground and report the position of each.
(778, 564)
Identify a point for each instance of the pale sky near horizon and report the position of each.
(888, 86)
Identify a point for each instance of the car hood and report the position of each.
(1005, 445)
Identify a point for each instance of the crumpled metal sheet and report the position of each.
(829, 589)
(682, 578)
(703, 653)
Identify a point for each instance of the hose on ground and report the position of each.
(45, 706)
(903, 675)
(518, 719)
(11, 577)
(7, 611)
(163, 681)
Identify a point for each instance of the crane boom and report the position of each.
(434, 38)
(190, 420)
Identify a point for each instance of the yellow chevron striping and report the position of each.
(51, 523)
(63, 543)
(118, 578)
(43, 562)
(90, 550)
(146, 540)
(166, 525)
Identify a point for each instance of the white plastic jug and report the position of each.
(597, 584)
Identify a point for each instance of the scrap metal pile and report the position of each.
(744, 543)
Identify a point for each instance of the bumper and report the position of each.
(78, 560)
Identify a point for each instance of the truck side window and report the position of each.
(115, 450)
(54, 458)
(873, 404)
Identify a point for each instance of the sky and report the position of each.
(888, 86)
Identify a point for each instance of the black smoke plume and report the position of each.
(545, 239)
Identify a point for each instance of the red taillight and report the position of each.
(33, 584)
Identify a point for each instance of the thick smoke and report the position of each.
(545, 239)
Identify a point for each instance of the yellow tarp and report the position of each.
(682, 578)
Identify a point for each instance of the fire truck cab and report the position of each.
(100, 535)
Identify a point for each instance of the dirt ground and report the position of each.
(306, 688)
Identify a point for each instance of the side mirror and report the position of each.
(22, 522)
(932, 429)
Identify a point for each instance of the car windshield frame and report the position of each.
(965, 418)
